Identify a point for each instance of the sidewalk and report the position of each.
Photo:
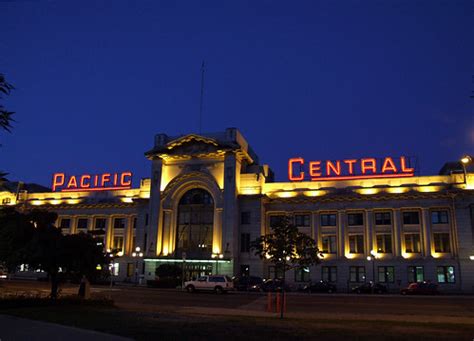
(19, 329)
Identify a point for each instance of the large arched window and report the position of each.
(194, 226)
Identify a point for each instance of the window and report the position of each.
(245, 270)
(439, 217)
(329, 244)
(245, 242)
(357, 273)
(355, 219)
(328, 219)
(386, 274)
(356, 243)
(441, 242)
(6, 201)
(245, 218)
(302, 274)
(100, 223)
(119, 223)
(415, 274)
(82, 223)
(274, 273)
(302, 220)
(130, 269)
(65, 223)
(383, 218)
(411, 218)
(118, 243)
(384, 243)
(412, 243)
(329, 273)
(445, 274)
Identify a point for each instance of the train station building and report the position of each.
(208, 197)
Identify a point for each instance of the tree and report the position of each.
(287, 248)
(5, 116)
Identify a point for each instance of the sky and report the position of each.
(324, 80)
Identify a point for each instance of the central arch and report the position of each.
(194, 226)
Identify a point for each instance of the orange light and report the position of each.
(389, 165)
(335, 168)
(299, 160)
(105, 178)
(72, 182)
(350, 164)
(56, 183)
(83, 183)
(368, 164)
(124, 182)
(357, 177)
(314, 168)
(404, 168)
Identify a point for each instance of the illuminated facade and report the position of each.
(208, 197)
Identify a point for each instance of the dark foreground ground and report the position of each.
(142, 314)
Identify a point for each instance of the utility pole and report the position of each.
(202, 96)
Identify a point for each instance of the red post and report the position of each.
(269, 302)
(284, 302)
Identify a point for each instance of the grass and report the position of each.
(171, 326)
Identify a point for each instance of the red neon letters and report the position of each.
(365, 168)
(87, 182)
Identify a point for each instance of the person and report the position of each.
(84, 290)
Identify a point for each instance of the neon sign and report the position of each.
(350, 169)
(88, 182)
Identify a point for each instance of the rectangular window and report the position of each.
(118, 243)
(384, 243)
(356, 243)
(355, 219)
(82, 223)
(329, 244)
(411, 218)
(245, 218)
(386, 274)
(441, 242)
(416, 274)
(65, 223)
(328, 219)
(100, 224)
(439, 217)
(329, 273)
(302, 274)
(302, 220)
(445, 274)
(412, 243)
(119, 223)
(245, 242)
(275, 220)
(357, 274)
(274, 273)
(383, 218)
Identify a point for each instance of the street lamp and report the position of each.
(465, 160)
(217, 256)
(373, 256)
(137, 255)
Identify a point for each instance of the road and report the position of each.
(364, 306)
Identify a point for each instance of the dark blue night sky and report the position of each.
(320, 79)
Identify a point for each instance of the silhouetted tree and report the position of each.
(5, 116)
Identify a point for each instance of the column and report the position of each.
(128, 247)
(217, 246)
(90, 223)
(397, 233)
(369, 231)
(341, 234)
(425, 220)
(73, 227)
(109, 233)
(166, 232)
(153, 230)
(315, 230)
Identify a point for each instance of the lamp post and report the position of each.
(137, 255)
(465, 160)
(372, 258)
(217, 256)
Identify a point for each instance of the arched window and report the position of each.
(194, 226)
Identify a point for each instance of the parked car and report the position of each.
(321, 286)
(369, 288)
(420, 288)
(248, 283)
(274, 285)
(217, 283)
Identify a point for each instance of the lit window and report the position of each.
(439, 217)
(445, 274)
(329, 244)
(118, 243)
(441, 242)
(386, 274)
(384, 243)
(356, 243)
(415, 274)
(412, 243)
